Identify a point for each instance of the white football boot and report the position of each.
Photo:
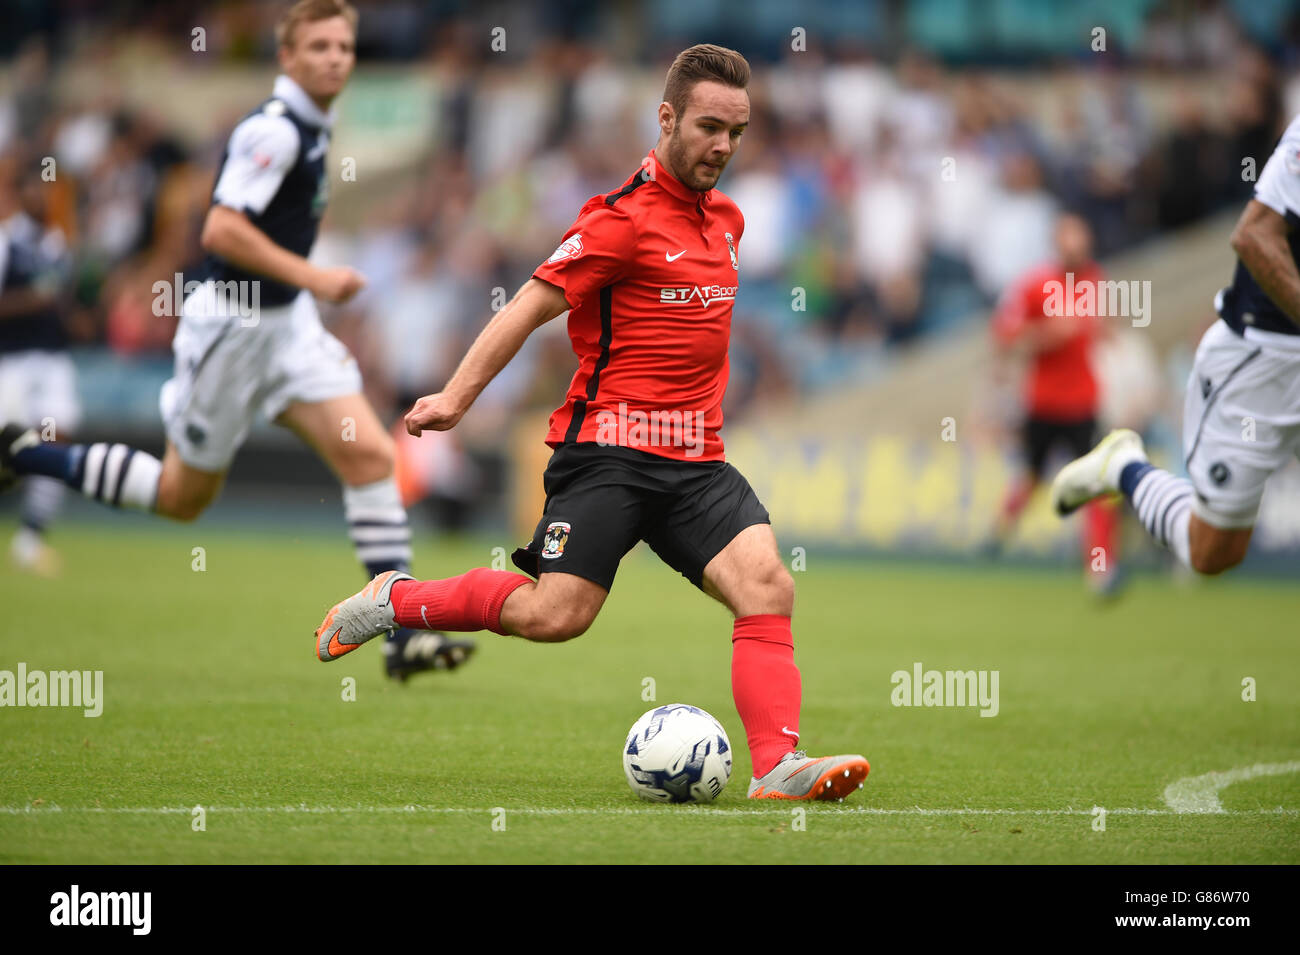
(29, 553)
(1097, 472)
(14, 438)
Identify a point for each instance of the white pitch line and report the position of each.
(1201, 793)
(610, 811)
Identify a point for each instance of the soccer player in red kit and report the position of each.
(648, 274)
(1042, 312)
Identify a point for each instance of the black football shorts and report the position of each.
(1041, 435)
(601, 500)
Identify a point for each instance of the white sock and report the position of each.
(119, 476)
(1164, 506)
(377, 525)
(42, 497)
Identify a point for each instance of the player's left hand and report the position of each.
(433, 413)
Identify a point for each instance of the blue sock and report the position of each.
(1132, 474)
(376, 567)
(63, 461)
(112, 474)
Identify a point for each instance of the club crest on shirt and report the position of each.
(557, 535)
(731, 247)
(570, 248)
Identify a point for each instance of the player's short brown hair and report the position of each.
(309, 11)
(704, 61)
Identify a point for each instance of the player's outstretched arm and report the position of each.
(229, 234)
(1260, 241)
(535, 304)
(1017, 331)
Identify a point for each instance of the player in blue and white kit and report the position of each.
(250, 339)
(1241, 416)
(38, 382)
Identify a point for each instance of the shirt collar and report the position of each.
(302, 104)
(670, 183)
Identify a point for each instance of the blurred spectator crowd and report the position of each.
(888, 193)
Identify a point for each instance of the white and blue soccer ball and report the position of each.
(677, 753)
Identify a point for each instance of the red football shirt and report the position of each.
(650, 274)
(1060, 385)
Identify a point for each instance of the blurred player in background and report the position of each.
(648, 274)
(234, 362)
(1241, 415)
(1061, 396)
(38, 382)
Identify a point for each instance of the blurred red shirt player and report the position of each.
(1046, 315)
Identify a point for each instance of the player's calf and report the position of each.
(375, 461)
(550, 626)
(1214, 549)
(184, 493)
(557, 608)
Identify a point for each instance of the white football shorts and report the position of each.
(231, 366)
(38, 389)
(1241, 420)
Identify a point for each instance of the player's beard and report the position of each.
(681, 166)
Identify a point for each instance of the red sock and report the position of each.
(469, 602)
(766, 687)
(1100, 524)
(1015, 500)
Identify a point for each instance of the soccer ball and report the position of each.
(677, 753)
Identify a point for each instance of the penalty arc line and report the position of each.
(1200, 794)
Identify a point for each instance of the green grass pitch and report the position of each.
(213, 698)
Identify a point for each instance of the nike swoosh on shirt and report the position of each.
(674, 258)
